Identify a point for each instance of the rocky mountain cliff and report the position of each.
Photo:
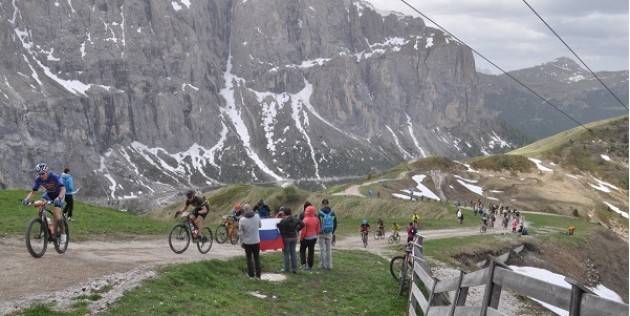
(566, 84)
(142, 98)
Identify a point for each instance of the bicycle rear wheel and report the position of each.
(179, 238)
(36, 238)
(61, 248)
(234, 240)
(396, 267)
(221, 235)
(204, 240)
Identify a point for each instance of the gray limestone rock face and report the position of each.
(145, 98)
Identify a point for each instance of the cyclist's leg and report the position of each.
(57, 213)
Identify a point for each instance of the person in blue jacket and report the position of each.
(68, 182)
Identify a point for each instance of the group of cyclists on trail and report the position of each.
(412, 229)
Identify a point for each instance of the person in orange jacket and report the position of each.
(308, 237)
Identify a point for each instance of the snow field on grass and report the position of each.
(539, 165)
(617, 210)
(558, 279)
(471, 187)
(422, 190)
(603, 186)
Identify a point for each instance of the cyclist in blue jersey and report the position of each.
(55, 192)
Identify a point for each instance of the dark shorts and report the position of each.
(197, 209)
(50, 196)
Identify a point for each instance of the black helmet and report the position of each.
(190, 194)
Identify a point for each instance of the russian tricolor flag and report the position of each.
(270, 238)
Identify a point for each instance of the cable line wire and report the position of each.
(496, 66)
(574, 54)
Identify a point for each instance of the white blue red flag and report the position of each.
(270, 238)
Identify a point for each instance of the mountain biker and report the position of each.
(415, 219)
(411, 232)
(395, 229)
(55, 192)
(381, 227)
(365, 227)
(236, 212)
(199, 212)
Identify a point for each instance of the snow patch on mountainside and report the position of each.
(413, 137)
(404, 153)
(231, 112)
(539, 165)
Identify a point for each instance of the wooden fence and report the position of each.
(430, 296)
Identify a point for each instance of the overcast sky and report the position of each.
(509, 34)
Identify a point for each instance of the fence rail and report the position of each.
(430, 296)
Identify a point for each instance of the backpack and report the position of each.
(328, 222)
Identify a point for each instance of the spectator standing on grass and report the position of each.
(289, 226)
(308, 238)
(248, 229)
(460, 216)
(68, 182)
(328, 222)
(306, 204)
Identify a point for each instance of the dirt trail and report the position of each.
(353, 190)
(121, 265)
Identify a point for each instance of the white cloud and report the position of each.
(508, 33)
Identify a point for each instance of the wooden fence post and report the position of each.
(577, 290)
(457, 293)
(492, 293)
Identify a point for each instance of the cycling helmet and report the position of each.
(364, 222)
(190, 194)
(41, 168)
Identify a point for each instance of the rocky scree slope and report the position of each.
(143, 98)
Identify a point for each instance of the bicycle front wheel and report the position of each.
(62, 226)
(179, 238)
(36, 238)
(204, 241)
(396, 266)
(221, 234)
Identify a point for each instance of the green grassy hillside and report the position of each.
(90, 221)
(582, 150)
(218, 287)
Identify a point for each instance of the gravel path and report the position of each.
(91, 266)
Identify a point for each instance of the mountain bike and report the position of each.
(228, 230)
(401, 268)
(393, 238)
(364, 238)
(186, 231)
(379, 234)
(39, 231)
